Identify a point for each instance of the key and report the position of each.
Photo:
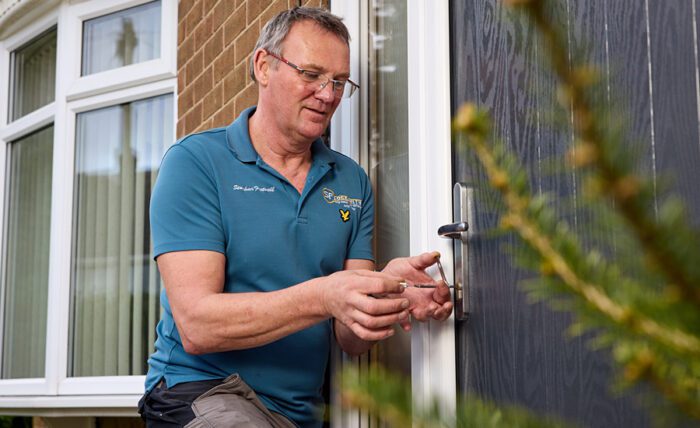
(405, 285)
(442, 275)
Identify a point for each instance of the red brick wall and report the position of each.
(215, 40)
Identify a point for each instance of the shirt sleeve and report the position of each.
(185, 211)
(360, 246)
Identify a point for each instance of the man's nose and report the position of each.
(325, 91)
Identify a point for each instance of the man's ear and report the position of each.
(261, 66)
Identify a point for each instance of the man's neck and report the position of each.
(289, 157)
(277, 149)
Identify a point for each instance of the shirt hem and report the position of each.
(360, 256)
(189, 245)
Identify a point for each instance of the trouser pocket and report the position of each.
(234, 404)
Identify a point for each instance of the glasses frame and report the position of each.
(302, 71)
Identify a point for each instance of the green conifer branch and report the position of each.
(387, 397)
(476, 127)
(644, 366)
(527, 222)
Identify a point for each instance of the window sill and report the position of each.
(70, 405)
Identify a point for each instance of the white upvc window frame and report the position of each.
(57, 394)
(433, 359)
(129, 75)
(95, 384)
(10, 132)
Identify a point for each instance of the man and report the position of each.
(263, 240)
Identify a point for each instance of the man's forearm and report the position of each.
(215, 321)
(227, 321)
(210, 320)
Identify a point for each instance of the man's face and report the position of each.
(301, 109)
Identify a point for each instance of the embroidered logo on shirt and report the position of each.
(344, 215)
(342, 200)
(240, 188)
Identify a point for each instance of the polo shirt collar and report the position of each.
(321, 154)
(238, 139)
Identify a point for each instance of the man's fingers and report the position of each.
(381, 321)
(426, 312)
(444, 312)
(378, 284)
(441, 293)
(374, 306)
(365, 333)
(374, 274)
(422, 261)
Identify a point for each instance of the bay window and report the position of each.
(89, 113)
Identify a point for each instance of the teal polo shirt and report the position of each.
(215, 193)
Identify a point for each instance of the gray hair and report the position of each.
(277, 28)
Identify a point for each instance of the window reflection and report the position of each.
(126, 37)
(33, 80)
(115, 282)
(27, 256)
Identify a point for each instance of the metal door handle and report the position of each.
(463, 215)
(453, 230)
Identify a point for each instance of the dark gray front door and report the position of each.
(510, 350)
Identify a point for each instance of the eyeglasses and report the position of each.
(341, 88)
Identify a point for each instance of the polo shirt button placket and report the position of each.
(301, 218)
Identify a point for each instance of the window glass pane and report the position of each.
(33, 82)
(126, 37)
(388, 148)
(27, 256)
(115, 282)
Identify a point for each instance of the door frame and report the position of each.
(433, 363)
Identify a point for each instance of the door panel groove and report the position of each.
(509, 350)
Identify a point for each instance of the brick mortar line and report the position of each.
(189, 81)
(190, 34)
(224, 105)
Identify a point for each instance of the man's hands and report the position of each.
(354, 298)
(425, 302)
(367, 304)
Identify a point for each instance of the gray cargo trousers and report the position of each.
(231, 403)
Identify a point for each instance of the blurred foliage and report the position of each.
(387, 396)
(633, 284)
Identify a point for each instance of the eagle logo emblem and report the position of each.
(344, 215)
